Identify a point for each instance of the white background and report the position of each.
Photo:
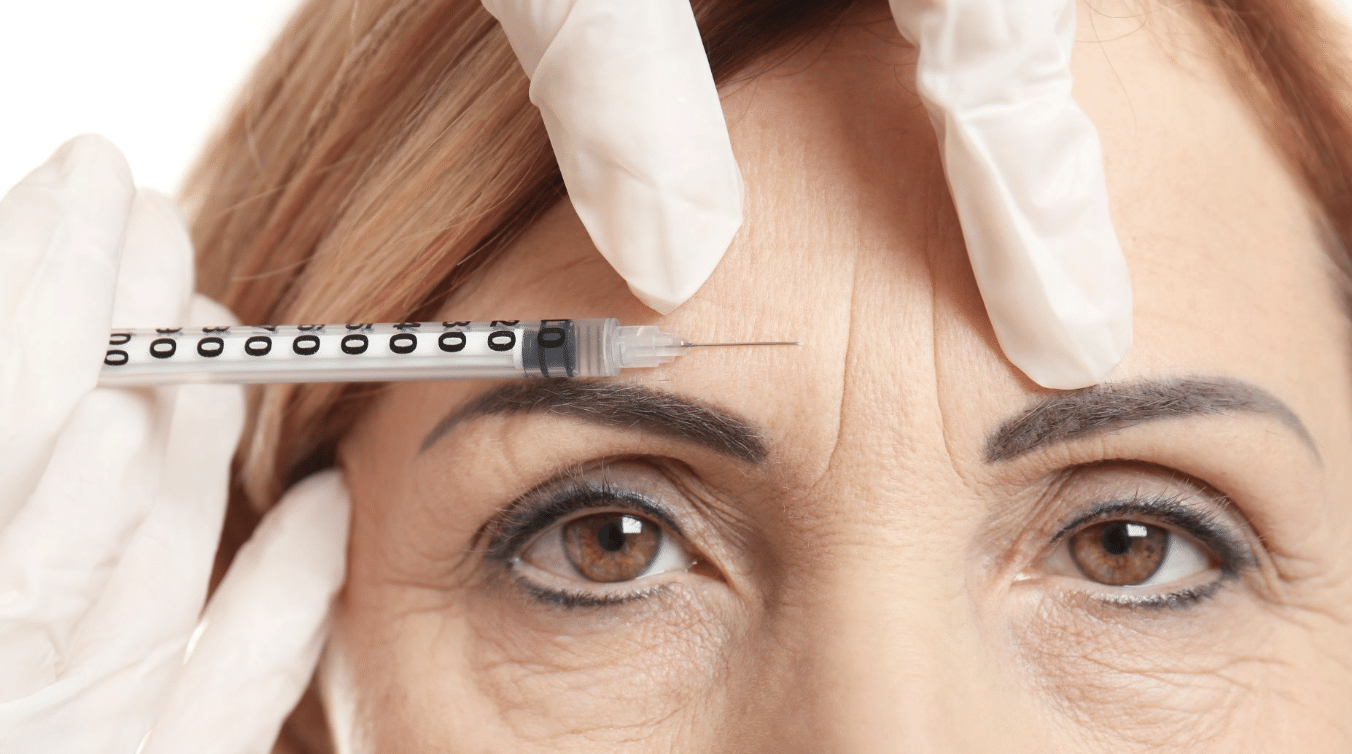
(154, 76)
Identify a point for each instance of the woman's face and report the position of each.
(873, 541)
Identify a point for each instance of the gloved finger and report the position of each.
(262, 633)
(637, 126)
(1026, 172)
(125, 652)
(58, 551)
(155, 281)
(127, 649)
(60, 241)
(155, 595)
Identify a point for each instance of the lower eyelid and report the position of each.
(602, 595)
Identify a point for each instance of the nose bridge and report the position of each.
(886, 657)
(883, 645)
(872, 663)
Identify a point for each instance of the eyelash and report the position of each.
(542, 508)
(1205, 527)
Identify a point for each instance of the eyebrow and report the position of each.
(1109, 407)
(615, 405)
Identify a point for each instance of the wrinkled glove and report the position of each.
(111, 500)
(1025, 170)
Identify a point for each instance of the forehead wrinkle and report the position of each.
(831, 455)
(1104, 408)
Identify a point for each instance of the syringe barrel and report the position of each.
(362, 352)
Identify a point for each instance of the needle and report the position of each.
(760, 343)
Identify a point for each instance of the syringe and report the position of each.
(367, 352)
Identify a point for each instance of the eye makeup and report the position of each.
(1170, 511)
(552, 504)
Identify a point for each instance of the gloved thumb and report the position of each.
(255, 650)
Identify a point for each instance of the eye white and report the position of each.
(1183, 558)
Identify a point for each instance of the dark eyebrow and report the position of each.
(618, 405)
(1105, 408)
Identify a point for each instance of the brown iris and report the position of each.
(1119, 553)
(610, 547)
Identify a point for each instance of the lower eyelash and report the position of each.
(1183, 598)
(568, 600)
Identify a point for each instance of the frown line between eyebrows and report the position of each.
(1105, 408)
(615, 405)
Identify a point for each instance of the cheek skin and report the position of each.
(550, 682)
(1114, 686)
(639, 671)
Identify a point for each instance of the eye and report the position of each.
(1135, 553)
(606, 548)
(1165, 551)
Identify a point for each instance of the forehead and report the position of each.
(851, 246)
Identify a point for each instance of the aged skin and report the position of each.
(888, 537)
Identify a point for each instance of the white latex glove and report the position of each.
(111, 501)
(636, 124)
(1025, 170)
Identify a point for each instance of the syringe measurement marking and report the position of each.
(402, 343)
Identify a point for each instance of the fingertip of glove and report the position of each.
(327, 486)
(86, 177)
(92, 171)
(662, 304)
(86, 189)
(314, 514)
(1077, 366)
(93, 152)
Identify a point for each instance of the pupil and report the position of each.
(610, 536)
(1116, 540)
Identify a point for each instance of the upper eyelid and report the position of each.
(1165, 507)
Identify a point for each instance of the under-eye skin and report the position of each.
(586, 544)
(1131, 551)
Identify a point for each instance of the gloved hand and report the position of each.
(636, 124)
(111, 500)
(1026, 173)
(635, 121)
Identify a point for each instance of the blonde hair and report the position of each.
(382, 152)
